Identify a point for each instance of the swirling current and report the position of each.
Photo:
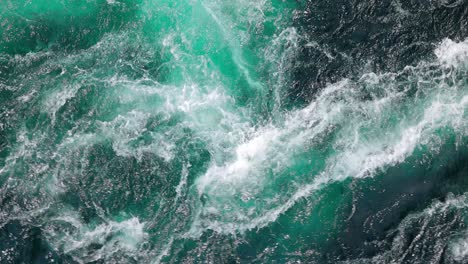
(241, 131)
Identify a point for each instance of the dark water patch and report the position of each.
(346, 38)
(24, 243)
(401, 191)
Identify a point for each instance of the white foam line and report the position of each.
(336, 104)
(182, 183)
(164, 251)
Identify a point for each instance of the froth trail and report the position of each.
(366, 126)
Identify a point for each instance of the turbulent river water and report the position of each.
(240, 131)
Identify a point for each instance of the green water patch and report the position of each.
(32, 26)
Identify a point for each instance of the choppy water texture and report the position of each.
(209, 131)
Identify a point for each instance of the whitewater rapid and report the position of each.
(171, 135)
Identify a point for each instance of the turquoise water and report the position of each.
(209, 131)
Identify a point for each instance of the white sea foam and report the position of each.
(459, 249)
(338, 108)
(182, 183)
(452, 53)
(58, 98)
(113, 236)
